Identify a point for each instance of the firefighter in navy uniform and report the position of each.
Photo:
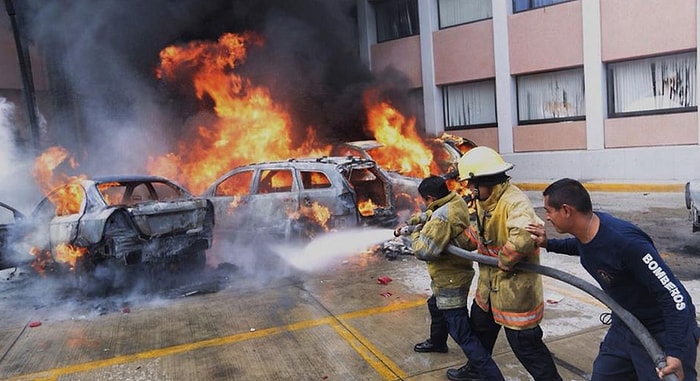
(443, 223)
(626, 264)
(505, 298)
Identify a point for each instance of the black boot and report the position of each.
(465, 373)
(428, 346)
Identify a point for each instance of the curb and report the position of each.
(613, 187)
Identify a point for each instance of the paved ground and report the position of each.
(313, 313)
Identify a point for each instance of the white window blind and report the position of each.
(659, 83)
(469, 104)
(455, 12)
(553, 95)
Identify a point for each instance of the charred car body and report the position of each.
(12, 223)
(447, 150)
(299, 198)
(112, 226)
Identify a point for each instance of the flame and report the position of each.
(67, 253)
(249, 127)
(366, 207)
(42, 260)
(315, 212)
(63, 191)
(403, 150)
(66, 194)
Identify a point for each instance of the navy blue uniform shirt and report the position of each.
(626, 264)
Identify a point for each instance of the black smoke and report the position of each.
(108, 105)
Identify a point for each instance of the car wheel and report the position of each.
(687, 195)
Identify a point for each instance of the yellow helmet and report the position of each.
(481, 161)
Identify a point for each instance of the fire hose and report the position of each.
(646, 339)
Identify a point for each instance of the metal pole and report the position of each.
(653, 349)
(26, 71)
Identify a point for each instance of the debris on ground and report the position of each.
(34, 324)
(383, 280)
(396, 247)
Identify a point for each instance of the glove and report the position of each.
(407, 230)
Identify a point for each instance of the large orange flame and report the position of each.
(66, 194)
(403, 150)
(250, 126)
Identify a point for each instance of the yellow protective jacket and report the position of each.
(450, 275)
(515, 298)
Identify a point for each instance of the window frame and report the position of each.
(414, 30)
(548, 120)
(610, 82)
(440, 26)
(470, 126)
(538, 6)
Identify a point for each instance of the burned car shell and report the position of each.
(405, 187)
(246, 199)
(11, 227)
(127, 220)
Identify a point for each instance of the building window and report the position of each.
(456, 12)
(524, 5)
(653, 85)
(396, 19)
(552, 96)
(469, 105)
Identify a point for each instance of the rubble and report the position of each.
(396, 247)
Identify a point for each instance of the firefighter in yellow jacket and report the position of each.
(443, 223)
(505, 298)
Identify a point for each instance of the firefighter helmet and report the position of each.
(479, 162)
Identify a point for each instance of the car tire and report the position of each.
(688, 202)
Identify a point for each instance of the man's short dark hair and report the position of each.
(434, 186)
(570, 192)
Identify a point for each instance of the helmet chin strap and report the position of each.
(476, 194)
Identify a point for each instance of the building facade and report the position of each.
(589, 89)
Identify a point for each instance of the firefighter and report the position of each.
(443, 223)
(505, 298)
(623, 260)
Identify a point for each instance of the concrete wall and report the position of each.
(649, 27)
(464, 53)
(402, 54)
(546, 38)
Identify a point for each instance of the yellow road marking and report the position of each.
(612, 187)
(385, 367)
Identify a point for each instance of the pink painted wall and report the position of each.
(550, 137)
(644, 27)
(402, 54)
(464, 53)
(546, 38)
(482, 136)
(652, 130)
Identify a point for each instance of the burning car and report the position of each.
(105, 227)
(299, 198)
(446, 151)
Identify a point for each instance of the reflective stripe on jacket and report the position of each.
(515, 298)
(450, 275)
